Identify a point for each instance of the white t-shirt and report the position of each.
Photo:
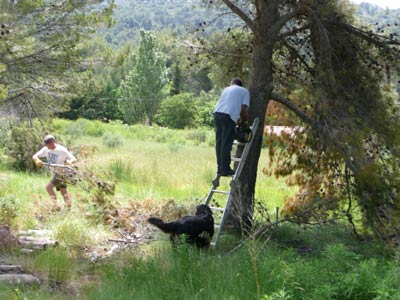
(58, 155)
(231, 101)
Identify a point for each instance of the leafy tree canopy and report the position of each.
(40, 47)
(317, 61)
(142, 90)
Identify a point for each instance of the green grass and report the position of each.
(161, 164)
(333, 270)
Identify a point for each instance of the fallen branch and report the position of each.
(122, 241)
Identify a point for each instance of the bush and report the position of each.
(9, 208)
(204, 106)
(5, 135)
(111, 140)
(95, 128)
(25, 140)
(76, 129)
(177, 111)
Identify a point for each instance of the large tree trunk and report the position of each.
(260, 90)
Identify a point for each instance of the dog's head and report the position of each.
(202, 210)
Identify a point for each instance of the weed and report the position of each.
(111, 140)
(73, 233)
(55, 265)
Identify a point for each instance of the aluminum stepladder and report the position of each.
(216, 182)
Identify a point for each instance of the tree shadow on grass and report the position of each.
(312, 240)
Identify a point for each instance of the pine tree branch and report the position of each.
(289, 104)
(236, 9)
(294, 31)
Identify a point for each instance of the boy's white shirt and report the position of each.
(58, 155)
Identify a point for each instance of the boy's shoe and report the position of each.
(56, 208)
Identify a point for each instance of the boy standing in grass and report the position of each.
(55, 154)
(231, 107)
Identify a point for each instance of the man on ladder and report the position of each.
(231, 107)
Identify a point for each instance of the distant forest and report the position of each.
(183, 16)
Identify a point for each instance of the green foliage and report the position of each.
(77, 129)
(336, 272)
(156, 15)
(9, 209)
(186, 110)
(177, 111)
(47, 36)
(55, 265)
(72, 233)
(3, 89)
(205, 103)
(95, 129)
(112, 140)
(142, 90)
(122, 169)
(25, 140)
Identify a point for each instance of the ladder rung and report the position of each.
(220, 192)
(217, 208)
(236, 159)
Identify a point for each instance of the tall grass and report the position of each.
(335, 272)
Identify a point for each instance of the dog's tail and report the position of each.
(165, 227)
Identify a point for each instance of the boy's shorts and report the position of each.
(59, 184)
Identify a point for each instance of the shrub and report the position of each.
(177, 111)
(73, 233)
(121, 169)
(76, 129)
(5, 135)
(25, 140)
(174, 147)
(9, 208)
(205, 103)
(111, 140)
(95, 128)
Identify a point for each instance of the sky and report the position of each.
(382, 3)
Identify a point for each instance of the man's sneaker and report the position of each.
(230, 172)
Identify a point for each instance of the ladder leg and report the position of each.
(216, 181)
(215, 184)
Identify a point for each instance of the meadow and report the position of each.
(155, 166)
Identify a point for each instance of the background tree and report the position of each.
(99, 96)
(40, 49)
(142, 90)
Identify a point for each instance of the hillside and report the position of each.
(183, 16)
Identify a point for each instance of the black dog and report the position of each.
(198, 229)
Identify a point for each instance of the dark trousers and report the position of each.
(224, 137)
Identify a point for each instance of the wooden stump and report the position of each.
(14, 274)
(33, 240)
(19, 279)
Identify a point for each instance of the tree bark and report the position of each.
(260, 86)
